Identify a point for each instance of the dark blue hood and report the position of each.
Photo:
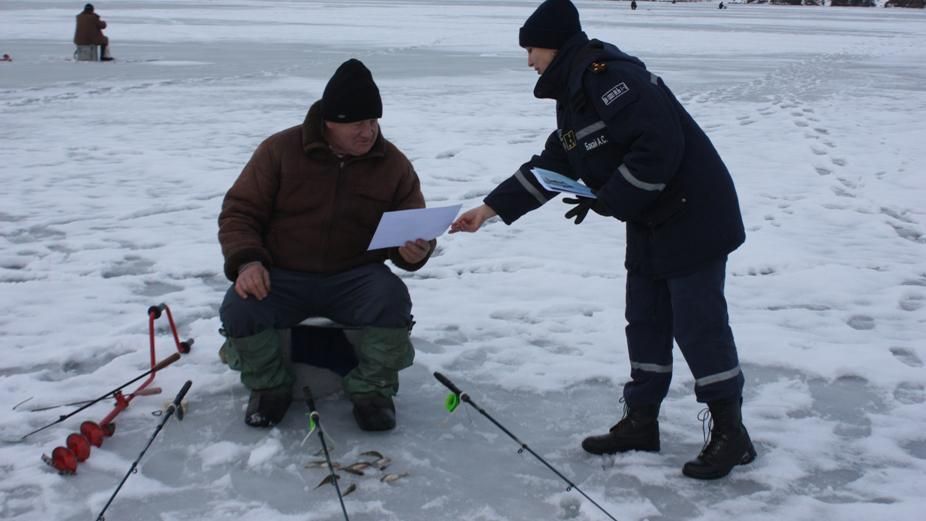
(576, 54)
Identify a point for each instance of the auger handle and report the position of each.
(166, 362)
(185, 346)
(447, 383)
(157, 310)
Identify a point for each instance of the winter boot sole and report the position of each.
(597, 445)
(645, 439)
(696, 471)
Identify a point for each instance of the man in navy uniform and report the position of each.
(625, 135)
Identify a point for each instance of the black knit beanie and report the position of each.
(351, 95)
(554, 22)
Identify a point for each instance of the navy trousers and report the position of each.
(370, 295)
(691, 310)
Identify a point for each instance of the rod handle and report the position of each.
(182, 393)
(447, 383)
(309, 399)
(177, 405)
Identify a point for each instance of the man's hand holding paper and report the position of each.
(409, 230)
(415, 251)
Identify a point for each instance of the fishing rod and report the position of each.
(154, 312)
(50, 407)
(316, 423)
(174, 407)
(42, 408)
(184, 347)
(160, 365)
(454, 400)
(65, 459)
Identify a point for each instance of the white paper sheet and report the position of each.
(560, 183)
(396, 228)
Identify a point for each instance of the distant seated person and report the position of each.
(294, 230)
(90, 32)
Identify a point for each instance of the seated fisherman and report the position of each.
(89, 31)
(294, 230)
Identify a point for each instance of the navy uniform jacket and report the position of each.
(623, 133)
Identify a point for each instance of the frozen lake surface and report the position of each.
(113, 175)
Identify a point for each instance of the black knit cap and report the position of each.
(351, 95)
(554, 22)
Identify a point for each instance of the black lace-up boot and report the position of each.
(638, 430)
(727, 445)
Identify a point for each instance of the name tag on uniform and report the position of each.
(615, 92)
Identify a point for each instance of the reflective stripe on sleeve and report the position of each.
(718, 377)
(652, 368)
(594, 127)
(649, 187)
(531, 189)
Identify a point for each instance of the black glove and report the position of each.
(582, 206)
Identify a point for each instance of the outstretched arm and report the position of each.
(522, 193)
(472, 219)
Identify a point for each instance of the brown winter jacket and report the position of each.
(299, 207)
(89, 29)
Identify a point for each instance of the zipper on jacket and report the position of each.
(335, 211)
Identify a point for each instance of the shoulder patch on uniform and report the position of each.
(614, 93)
(598, 67)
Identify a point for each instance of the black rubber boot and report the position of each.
(638, 430)
(728, 444)
(374, 412)
(267, 407)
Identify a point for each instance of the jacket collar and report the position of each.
(554, 82)
(313, 137)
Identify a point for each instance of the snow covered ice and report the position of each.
(112, 176)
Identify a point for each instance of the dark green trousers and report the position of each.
(370, 297)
